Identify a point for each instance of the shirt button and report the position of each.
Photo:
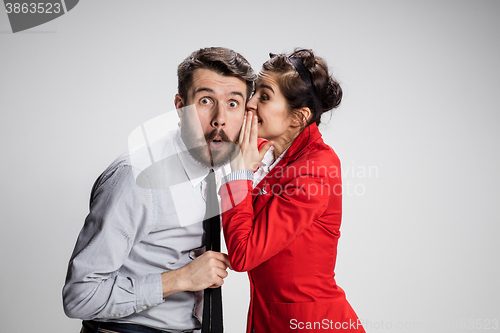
(117, 315)
(144, 307)
(155, 305)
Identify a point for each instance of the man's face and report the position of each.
(212, 116)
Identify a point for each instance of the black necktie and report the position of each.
(212, 303)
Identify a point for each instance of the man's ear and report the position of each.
(302, 117)
(179, 105)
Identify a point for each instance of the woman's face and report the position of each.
(270, 106)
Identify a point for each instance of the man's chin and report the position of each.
(221, 153)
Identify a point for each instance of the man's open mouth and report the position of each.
(217, 139)
(216, 143)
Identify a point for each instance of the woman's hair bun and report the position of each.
(326, 88)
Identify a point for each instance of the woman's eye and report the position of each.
(205, 101)
(233, 104)
(264, 97)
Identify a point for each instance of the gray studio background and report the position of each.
(417, 133)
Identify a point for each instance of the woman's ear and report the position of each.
(302, 117)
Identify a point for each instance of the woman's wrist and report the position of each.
(243, 174)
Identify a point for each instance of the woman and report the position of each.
(284, 231)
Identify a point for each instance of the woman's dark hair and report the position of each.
(218, 59)
(326, 88)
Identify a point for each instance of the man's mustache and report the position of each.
(210, 136)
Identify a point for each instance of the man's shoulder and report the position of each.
(154, 165)
(121, 165)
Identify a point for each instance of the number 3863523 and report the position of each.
(33, 8)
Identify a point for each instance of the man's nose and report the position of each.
(219, 118)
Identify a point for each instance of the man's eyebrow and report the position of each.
(202, 89)
(237, 93)
(208, 90)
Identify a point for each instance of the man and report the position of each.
(139, 263)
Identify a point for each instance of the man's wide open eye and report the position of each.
(233, 104)
(205, 101)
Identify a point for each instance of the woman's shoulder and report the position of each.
(317, 160)
(321, 152)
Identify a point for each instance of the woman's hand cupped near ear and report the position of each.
(248, 155)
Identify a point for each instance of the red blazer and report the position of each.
(285, 233)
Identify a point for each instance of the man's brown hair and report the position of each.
(218, 59)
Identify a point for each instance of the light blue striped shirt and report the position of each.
(144, 220)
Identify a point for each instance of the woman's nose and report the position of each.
(252, 104)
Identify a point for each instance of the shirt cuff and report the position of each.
(149, 292)
(238, 175)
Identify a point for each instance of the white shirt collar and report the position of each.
(267, 165)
